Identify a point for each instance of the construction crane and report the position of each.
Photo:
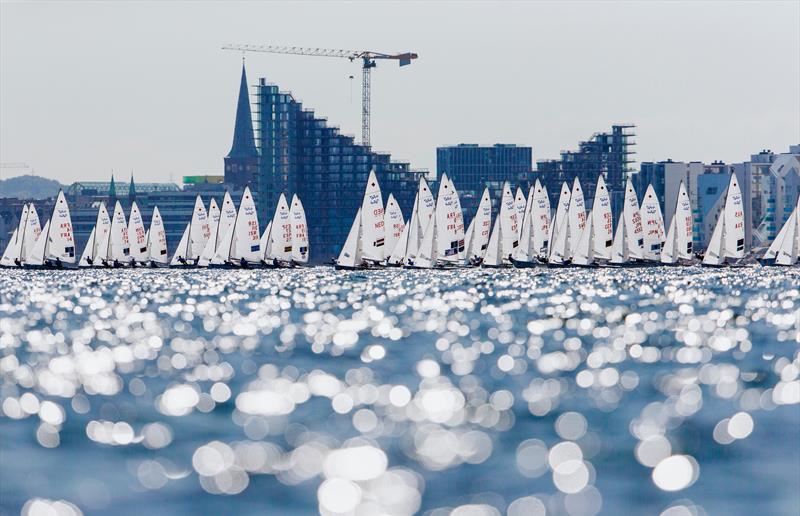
(368, 62)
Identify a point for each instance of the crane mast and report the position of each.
(368, 58)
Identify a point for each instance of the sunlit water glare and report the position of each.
(671, 391)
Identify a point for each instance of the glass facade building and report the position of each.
(473, 167)
(608, 153)
(300, 153)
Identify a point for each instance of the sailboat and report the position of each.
(626, 248)
(219, 228)
(55, 247)
(277, 238)
(602, 222)
(398, 255)
(476, 239)
(678, 245)
(785, 248)
(424, 208)
(245, 243)
(576, 215)
(194, 238)
(653, 225)
(368, 230)
(92, 251)
(535, 231)
(115, 247)
(297, 216)
(443, 241)
(584, 250)
(157, 241)
(214, 237)
(12, 256)
(727, 240)
(501, 248)
(520, 203)
(137, 236)
(395, 225)
(558, 253)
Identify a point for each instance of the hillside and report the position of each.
(29, 187)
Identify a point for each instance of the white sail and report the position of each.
(372, 229)
(494, 251)
(182, 252)
(557, 250)
(279, 246)
(393, 222)
(602, 221)
(38, 250)
(246, 245)
(157, 239)
(88, 250)
(653, 225)
(678, 245)
(425, 207)
(523, 252)
(776, 245)
(734, 220)
(199, 231)
(449, 223)
(98, 240)
(584, 251)
(297, 215)
(351, 256)
(520, 204)
(509, 222)
(619, 247)
(118, 249)
(668, 252)
(788, 250)
(480, 228)
(31, 232)
(61, 239)
(576, 214)
(213, 224)
(634, 233)
(265, 239)
(398, 255)
(715, 253)
(227, 216)
(426, 257)
(540, 221)
(137, 235)
(13, 253)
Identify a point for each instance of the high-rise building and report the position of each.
(608, 153)
(300, 153)
(241, 163)
(473, 167)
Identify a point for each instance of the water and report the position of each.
(650, 391)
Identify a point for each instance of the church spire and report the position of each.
(132, 190)
(244, 144)
(112, 191)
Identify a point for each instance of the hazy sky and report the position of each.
(87, 87)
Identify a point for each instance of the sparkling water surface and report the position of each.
(669, 391)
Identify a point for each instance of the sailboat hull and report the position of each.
(522, 264)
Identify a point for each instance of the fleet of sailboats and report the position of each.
(525, 233)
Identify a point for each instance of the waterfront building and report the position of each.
(300, 153)
(473, 167)
(609, 153)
